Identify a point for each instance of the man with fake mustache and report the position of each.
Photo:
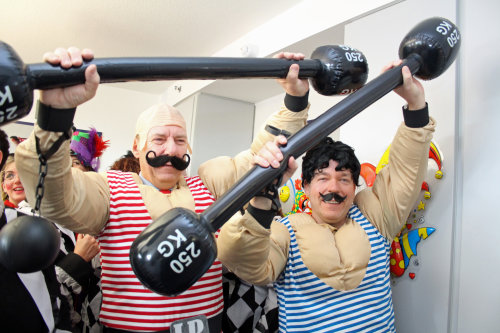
(117, 206)
(331, 269)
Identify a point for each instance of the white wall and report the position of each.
(477, 302)
(223, 127)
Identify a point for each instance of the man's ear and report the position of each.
(305, 188)
(135, 150)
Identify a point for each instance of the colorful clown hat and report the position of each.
(88, 147)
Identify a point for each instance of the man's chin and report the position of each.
(166, 170)
(167, 174)
(335, 212)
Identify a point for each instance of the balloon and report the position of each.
(28, 244)
(410, 240)
(284, 193)
(396, 258)
(368, 172)
(384, 160)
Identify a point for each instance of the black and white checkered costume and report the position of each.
(67, 282)
(248, 308)
(31, 302)
(91, 306)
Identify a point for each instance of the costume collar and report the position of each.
(7, 203)
(147, 182)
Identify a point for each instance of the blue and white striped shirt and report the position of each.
(307, 304)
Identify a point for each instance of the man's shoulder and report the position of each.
(298, 219)
(364, 197)
(117, 174)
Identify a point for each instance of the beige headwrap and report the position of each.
(157, 115)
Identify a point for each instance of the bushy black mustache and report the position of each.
(159, 161)
(330, 196)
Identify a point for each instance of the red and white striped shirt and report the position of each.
(127, 304)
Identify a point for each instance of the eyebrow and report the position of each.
(343, 171)
(318, 172)
(161, 135)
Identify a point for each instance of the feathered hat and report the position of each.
(88, 147)
(16, 140)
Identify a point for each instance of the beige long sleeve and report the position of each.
(388, 203)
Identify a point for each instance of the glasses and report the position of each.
(10, 176)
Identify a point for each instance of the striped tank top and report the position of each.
(307, 304)
(126, 303)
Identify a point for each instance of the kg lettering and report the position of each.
(185, 257)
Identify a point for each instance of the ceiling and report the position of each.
(148, 28)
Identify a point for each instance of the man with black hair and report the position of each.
(331, 269)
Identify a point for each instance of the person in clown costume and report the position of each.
(86, 149)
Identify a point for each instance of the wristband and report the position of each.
(296, 104)
(54, 120)
(264, 217)
(276, 131)
(416, 118)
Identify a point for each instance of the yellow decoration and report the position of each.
(383, 161)
(284, 193)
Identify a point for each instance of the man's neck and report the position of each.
(337, 225)
(157, 186)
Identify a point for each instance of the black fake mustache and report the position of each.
(159, 161)
(330, 196)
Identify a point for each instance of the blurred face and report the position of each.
(327, 181)
(163, 140)
(12, 185)
(75, 163)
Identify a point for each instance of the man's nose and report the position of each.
(333, 186)
(169, 148)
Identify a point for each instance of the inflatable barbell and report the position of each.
(334, 69)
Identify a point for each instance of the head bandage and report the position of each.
(157, 115)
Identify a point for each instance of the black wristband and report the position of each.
(264, 217)
(54, 120)
(295, 103)
(276, 131)
(416, 118)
